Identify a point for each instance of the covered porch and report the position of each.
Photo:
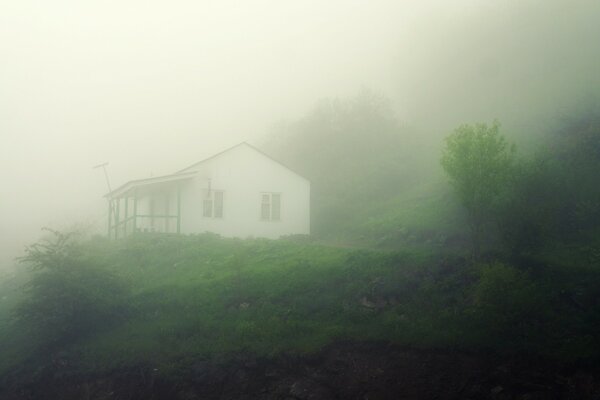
(146, 205)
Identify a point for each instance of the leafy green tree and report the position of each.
(478, 161)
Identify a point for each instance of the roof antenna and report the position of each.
(103, 166)
(111, 206)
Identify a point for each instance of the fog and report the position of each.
(151, 86)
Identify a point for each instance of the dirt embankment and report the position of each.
(365, 371)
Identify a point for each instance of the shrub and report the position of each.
(68, 295)
(511, 309)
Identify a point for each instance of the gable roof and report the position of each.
(236, 146)
(185, 174)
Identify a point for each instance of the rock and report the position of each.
(367, 303)
(375, 304)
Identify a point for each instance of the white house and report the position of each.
(238, 192)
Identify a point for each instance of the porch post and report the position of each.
(126, 215)
(167, 213)
(135, 211)
(178, 209)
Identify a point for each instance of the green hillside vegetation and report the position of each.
(377, 183)
(392, 260)
(370, 175)
(165, 300)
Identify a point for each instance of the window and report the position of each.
(270, 206)
(212, 205)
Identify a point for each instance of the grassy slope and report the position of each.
(206, 296)
(427, 216)
(202, 296)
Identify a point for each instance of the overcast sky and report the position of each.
(152, 86)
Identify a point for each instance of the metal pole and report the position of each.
(117, 218)
(110, 201)
(103, 166)
(109, 217)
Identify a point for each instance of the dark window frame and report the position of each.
(213, 204)
(270, 209)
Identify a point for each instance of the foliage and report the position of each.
(554, 199)
(68, 295)
(202, 296)
(573, 160)
(356, 155)
(511, 306)
(374, 181)
(478, 161)
(528, 218)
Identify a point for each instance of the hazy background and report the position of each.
(152, 86)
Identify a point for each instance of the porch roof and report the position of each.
(146, 183)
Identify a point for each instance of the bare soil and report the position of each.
(365, 371)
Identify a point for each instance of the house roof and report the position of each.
(184, 174)
(126, 187)
(236, 146)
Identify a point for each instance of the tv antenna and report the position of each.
(111, 206)
(103, 166)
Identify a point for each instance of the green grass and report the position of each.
(426, 216)
(208, 296)
(205, 296)
(202, 296)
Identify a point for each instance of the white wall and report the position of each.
(243, 173)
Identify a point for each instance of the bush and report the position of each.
(68, 295)
(511, 309)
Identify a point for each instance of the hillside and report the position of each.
(168, 301)
(203, 295)
(389, 271)
(369, 173)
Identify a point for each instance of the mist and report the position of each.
(152, 87)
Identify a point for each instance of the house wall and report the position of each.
(243, 173)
